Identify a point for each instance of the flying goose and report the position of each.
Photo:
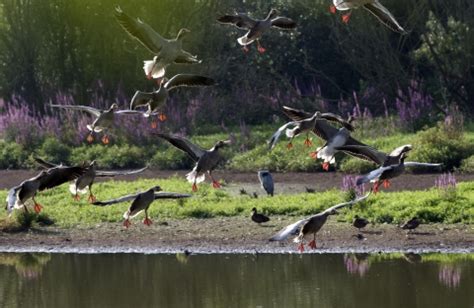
(373, 6)
(84, 183)
(256, 28)
(206, 160)
(266, 181)
(46, 179)
(305, 122)
(311, 225)
(156, 99)
(141, 202)
(166, 51)
(257, 217)
(370, 154)
(104, 119)
(385, 173)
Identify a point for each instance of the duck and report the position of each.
(385, 173)
(359, 223)
(412, 224)
(46, 179)
(141, 202)
(305, 122)
(256, 28)
(266, 181)
(104, 118)
(156, 99)
(312, 224)
(206, 160)
(84, 183)
(373, 6)
(257, 217)
(165, 51)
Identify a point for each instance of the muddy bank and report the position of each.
(235, 235)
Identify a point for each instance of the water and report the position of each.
(311, 280)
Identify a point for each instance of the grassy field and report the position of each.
(454, 206)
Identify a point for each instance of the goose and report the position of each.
(141, 202)
(266, 181)
(256, 28)
(305, 122)
(412, 224)
(104, 119)
(373, 155)
(46, 179)
(373, 6)
(257, 217)
(166, 51)
(312, 224)
(385, 173)
(206, 160)
(156, 99)
(84, 183)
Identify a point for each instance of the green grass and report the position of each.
(392, 207)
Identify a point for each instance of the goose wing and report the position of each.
(44, 163)
(414, 164)
(117, 200)
(194, 151)
(188, 80)
(170, 195)
(296, 114)
(94, 111)
(104, 173)
(384, 15)
(241, 21)
(337, 119)
(141, 99)
(58, 175)
(283, 23)
(276, 135)
(364, 152)
(141, 31)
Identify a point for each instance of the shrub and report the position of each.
(55, 151)
(12, 155)
(467, 165)
(356, 165)
(115, 156)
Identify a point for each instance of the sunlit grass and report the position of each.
(390, 207)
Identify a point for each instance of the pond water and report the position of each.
(268, 280)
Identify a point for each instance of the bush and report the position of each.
(55, 151)
(115, 156)
(12, 155)
(436, 145)
(356, 165)
(467, 165)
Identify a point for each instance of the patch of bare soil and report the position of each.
(236, 235)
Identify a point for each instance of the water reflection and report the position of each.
(309, 280)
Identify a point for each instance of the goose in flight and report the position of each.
(266, 181)
(206, 160)
(311, 225)
(84, 183)
(166, 51)
(141, 202)
(256, 28)
(373, 6)
(104, 119)
(156, 99)
(46, 179)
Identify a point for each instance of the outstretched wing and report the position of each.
(58, 175)
(283, 23)
(296, 114)
(188, 80)
(117, 200)
(384, 15)
(104, 173)
(417, 164)
(276, 135)
(43, 163)
(170, 195)
(142, 32)
(337, 119)
(241, 21)
(364, 152)
(194, 151)
(95, 112)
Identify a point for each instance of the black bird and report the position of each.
(412, 224)
(258, 218)
(359, 222)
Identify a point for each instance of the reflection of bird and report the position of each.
(256, 28)
(104, 119)
(311, 225)
(84, 183)
(258, 218)
(266, 181)
(18, 195)
(385, 173)
(141, 202)
(373, 6)
(206, 160)
(156, 99)
(166, 51)
(412, 224)
(412, 257)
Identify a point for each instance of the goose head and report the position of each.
(221, 144)
(254, 210)
(182, 33)
(114, 107)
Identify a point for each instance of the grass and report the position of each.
(385, 207)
